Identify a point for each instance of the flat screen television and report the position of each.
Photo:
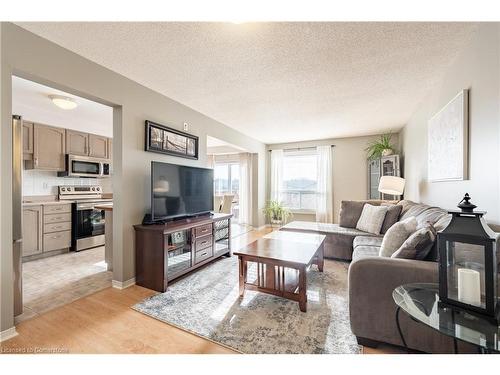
(178, 191)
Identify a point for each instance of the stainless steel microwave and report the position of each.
(83, 166)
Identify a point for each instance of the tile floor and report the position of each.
(61, 279)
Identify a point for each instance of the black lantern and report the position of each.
(468, 269)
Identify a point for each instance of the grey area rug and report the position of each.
(207, 304)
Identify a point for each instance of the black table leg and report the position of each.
(399, 330)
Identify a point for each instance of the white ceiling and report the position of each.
(278, 82)
(31, 101)
(217, 146)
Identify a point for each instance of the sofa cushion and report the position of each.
(323, 228)
(350, 211)
(396, 235)
(423, 213)
(367, 241)
(418, 245)
(362, 252)
(372, 218)
(391, 217)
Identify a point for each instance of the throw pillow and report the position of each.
(391, 217)
(418, 245)
(371, 219)
(396, 235)
(350, 211)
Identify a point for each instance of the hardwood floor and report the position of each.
(104, 323)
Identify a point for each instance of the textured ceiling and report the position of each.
(278, 82)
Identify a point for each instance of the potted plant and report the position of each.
(380, 147)
(277, 213)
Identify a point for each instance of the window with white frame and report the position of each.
(226, 178)
(300, 174)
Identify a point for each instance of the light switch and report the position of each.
(186, 126)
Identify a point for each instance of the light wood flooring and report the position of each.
(104, 323)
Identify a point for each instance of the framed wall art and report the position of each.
(165, 140)
(448, 141)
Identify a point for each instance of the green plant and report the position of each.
(276, 211)
(376, 148)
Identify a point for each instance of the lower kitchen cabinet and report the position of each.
(46, 228)
(32, 230)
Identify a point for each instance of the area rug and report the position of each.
(206, 303)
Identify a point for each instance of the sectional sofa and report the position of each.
(372, 278)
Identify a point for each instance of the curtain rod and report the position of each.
(298, 148)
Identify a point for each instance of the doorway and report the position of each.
(232, 183)
(66, 144)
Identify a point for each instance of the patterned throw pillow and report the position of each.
(418, 245)
(396, 235)
(371, 219)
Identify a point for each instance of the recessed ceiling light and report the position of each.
(64, 102)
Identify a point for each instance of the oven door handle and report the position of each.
(84, 206)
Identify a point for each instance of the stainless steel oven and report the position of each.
(88, 223)
(83, 166)
(88, 226)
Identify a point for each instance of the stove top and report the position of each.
(93, 192)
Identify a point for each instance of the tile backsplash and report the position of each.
(36, 182)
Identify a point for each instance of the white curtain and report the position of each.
(245, 189)
(324, 196)
(211, 161)
(276, 174)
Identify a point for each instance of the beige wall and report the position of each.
(477, 68)
(350, 174)
(35, 58)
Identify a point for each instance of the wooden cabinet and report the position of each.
(49, 148)
(98, 146)
(46, 228)
(110, 149)
(166, 252)
(32, 230)
(77, 143)
(27, 140)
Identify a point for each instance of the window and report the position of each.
(300, 173)
(226, 178)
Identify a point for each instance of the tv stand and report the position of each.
(164, 252)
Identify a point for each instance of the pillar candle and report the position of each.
(469, 286)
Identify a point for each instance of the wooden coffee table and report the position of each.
(282, 260)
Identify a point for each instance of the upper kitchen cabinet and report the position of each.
(49, 148)
(110, 149)
(27, 140)
(77, 143)
(98, 146)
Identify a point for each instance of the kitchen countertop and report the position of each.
(29, 203)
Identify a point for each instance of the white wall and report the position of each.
(36, 182)
(350, 173)
(477, 68)
(132, 104)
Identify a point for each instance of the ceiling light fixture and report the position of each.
(64, 102)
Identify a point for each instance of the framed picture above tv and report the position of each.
(165, 140)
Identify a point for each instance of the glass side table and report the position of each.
(420, 302)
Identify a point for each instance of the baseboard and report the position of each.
(123, 284)
(8, 334)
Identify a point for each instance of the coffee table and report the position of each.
(282, 259)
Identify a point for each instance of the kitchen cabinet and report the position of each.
(49, 148)
(98, 146)
(32, 230)
(27, 140)
(77, 143)
(110, 149)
